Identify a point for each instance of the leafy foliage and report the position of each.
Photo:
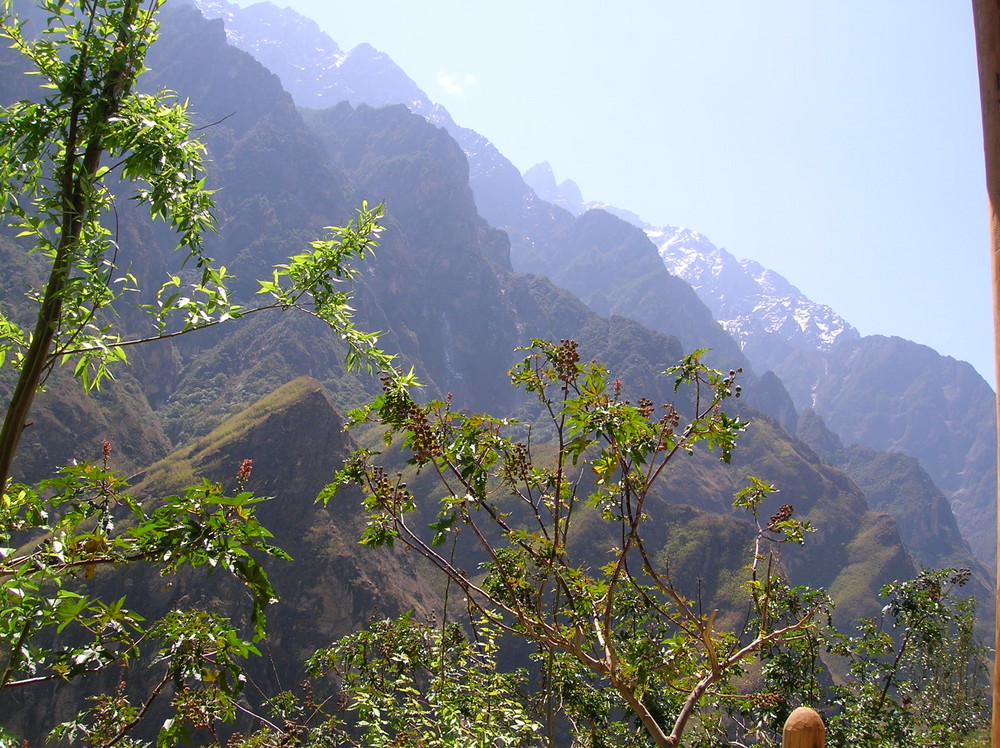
(420, 684)
(53, 184)
(615, 636)
(917, 673)
(66, 156)
(84, 523)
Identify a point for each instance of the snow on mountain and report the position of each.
(312, 67)
(751, 302)
(754, 305)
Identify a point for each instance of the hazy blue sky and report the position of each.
(838, 143)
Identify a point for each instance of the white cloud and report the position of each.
(456, 84)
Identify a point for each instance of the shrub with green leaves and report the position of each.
(623, 652)
(87, 139)
(917, 673)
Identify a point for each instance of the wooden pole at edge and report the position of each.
(986, 17)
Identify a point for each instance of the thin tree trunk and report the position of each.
(986, 15)
(82, 161)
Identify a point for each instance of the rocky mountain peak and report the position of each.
(565, 194)
(263, 24)
(750, 301)
(310, 64)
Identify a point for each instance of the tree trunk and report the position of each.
(88, 113)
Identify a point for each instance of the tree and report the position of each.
(614, 632)
(625, 655)
(917, 672)
(87, 140)
(426, 684)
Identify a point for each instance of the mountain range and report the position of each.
(879, 442)
(775, 326)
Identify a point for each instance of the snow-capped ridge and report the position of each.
(749, 300)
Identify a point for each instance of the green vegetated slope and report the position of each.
(899, 486)
(449, 303)
(296, 441)
(897, 396)
(852, 553)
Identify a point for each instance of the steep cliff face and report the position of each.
(440, 272)
(320, 75)
(884, 393)
(445, 295)
(899, 486)
(275, 185)
(894, 395)
(614, 268)
(276, 191)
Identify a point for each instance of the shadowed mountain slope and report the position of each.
(448, 301)
(331, 587)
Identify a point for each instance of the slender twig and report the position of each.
(213, 124)
(15, 652)
(47, 678)
(260, 718)
(124, 729)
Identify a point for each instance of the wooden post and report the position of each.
(986, 17)
(804, 728)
